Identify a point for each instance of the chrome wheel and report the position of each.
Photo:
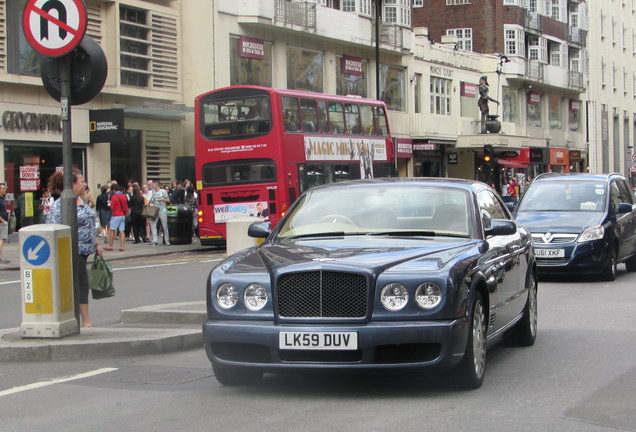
(473, 366)
(479, 339)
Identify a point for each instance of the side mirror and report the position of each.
(259, 230)
(501, 227)
(624, 208)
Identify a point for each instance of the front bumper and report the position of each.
(588, 257)
(381, 345)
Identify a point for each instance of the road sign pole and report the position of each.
(69, 199)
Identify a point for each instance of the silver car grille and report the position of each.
(553, 239)
(322, 294)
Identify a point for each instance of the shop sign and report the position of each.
(251, 48)
(30, 172)
(453, 158)
(351, 65)
(106, 125)
(558, 157)
(534, 98)
(536, 155)
(29, 185)
(575, 156)
(468, 89)
(404, 148)
(31, 122)
(575, 105)
(425, 147)
(440, 71)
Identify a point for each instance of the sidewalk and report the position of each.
(152, 329)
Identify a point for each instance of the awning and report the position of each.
(511, 164)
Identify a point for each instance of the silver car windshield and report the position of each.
(565, 196)
(380, 210)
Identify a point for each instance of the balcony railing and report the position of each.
(576, 80)
(534, 70)
(295, 12)
(533, 21)
(576, 35)
(390, 34)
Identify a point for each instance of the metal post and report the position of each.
(69, 200)
(378, 4)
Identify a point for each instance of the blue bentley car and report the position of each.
(375, 274)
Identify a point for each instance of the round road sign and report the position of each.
(54, 27)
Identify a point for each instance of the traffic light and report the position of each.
(489, 154)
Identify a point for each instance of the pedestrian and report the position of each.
(191, 203)
(160, 199)
(4, 222)
(177, 195)
(119, 207)
(128, 230)
(146, 191)
(102, 206)
(88, 198)
(45, 204)
(137, 221)
(86, 235)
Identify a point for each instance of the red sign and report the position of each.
(351, 65)
(468, 89)
(575, 105)
(534, 98)
(30, 172)
(251, 48)
(54, 27)
(404, 148)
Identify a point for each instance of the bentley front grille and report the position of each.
(322, 294)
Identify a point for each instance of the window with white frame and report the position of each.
(366, 7)
(398, 12)
(514, 40)
(464, 38)
(533, 48)
(532, 6)
(555, 53)
(418, 3)
(440, 96)
(348, 5)
(457, 2)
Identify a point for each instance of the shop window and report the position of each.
(250, 70)
(393, 87)
(304, 69)
(556, 113)
(510, 105)
(349, 84)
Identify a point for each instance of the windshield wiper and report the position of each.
(323, 234)
(404, 233)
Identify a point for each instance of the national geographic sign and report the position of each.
(106, 125)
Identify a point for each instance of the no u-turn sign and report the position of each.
(54, 27)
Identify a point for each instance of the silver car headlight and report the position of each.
(592, 233)
(227, 295)
(428, 295)
(255, 296)
(394, 297)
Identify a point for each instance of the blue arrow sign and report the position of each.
(36, 250)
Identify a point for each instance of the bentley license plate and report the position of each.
(318, 340)
(550, 253)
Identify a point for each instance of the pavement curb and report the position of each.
(171, 313)
(95, 343)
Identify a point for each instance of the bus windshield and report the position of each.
(236, 118)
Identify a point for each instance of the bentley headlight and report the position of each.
(592, 233)
(255, 296)
(394, 296)
(428, 295)
(227, 295)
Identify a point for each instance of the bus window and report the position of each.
(239, 171)
(352, 118)
(379, 117)
(310, 115)
(236, 118)
(336, 117)
(322, 112)
(310, 176)
(291, 114)
(366, 114)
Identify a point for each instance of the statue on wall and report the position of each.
(483, 101)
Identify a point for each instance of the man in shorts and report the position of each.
(4, 221)
(119, 206)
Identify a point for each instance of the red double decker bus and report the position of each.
(258, 148)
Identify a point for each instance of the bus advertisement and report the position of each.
(258, 148)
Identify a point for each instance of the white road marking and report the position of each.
(55, 381)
